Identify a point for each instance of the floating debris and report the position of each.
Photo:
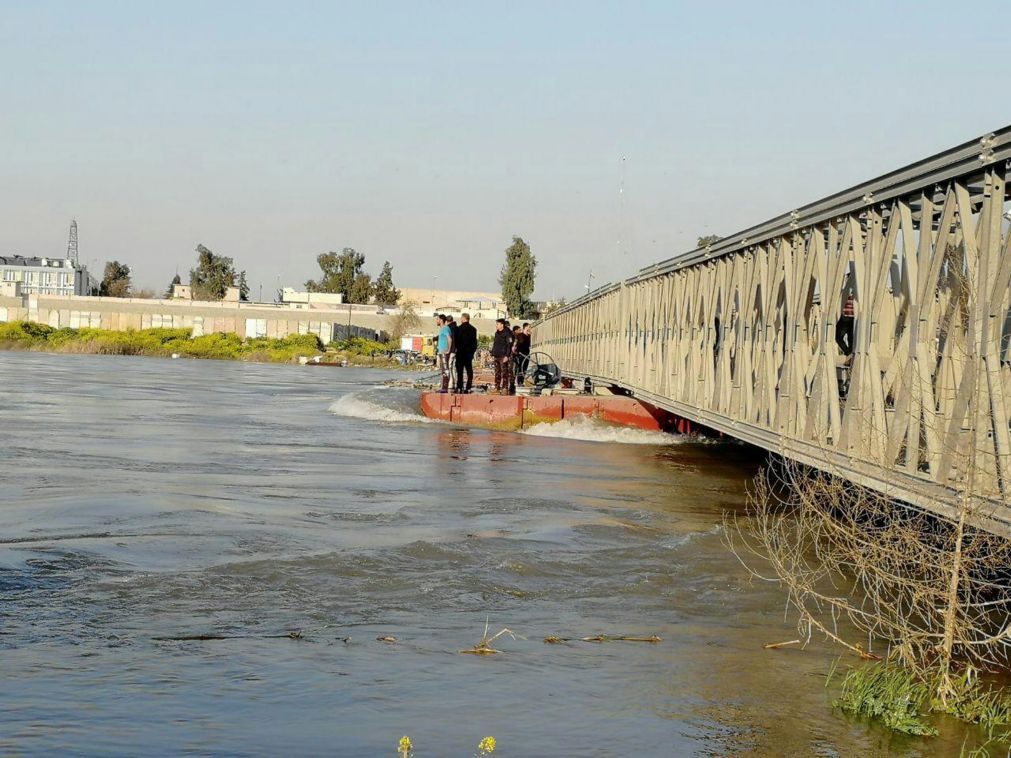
(778, 645)
(385, 638)
(653, 638)
(197, 637)
(484, 646)
(292, 634)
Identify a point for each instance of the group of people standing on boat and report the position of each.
(457, 346)
(510, 352)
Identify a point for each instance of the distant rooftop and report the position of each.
(22, 260)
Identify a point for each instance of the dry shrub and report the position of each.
(934, 590)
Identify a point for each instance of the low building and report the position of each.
(481, 305)
(272, 320)
(312, 299)
(185, 292)
(47, 276)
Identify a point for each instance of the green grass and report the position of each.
(903, 702)
(890, 694)
(26, 335)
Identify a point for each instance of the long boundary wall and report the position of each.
(243, 319)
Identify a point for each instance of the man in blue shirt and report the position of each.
(445, 350)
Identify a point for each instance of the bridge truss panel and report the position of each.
(875, 342)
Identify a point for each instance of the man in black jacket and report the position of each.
(502, 353)
(521, 349)
(466, 346)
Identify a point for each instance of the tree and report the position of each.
(213, 275)
(340, 270)
(517, 279)
(405, 321)
(552, 307)
(708, 240)
(175, 280)
(116, 281)
(385, 292)
(243, 287)
(361, 289)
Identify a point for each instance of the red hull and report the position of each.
(514, 412)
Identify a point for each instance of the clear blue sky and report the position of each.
(429, 133)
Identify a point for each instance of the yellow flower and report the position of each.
(487, 745)
(405, 745)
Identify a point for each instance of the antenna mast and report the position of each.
(72, 243)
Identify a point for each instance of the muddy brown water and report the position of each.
(146, 501)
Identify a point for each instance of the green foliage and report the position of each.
(903, 702)
(243, 287)
(116, 280)
(339, 272)
(175, 280)
(385, 292)
(979, 704)
(517, 279)
(213, 275)
(361, 289)
(551, 308)
(707, 240)
(888, 693)
(24, 332)
(360, 346)
(158, 342)
(484, 341)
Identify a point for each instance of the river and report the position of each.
(146, 501)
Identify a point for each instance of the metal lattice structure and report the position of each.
(72, 252)
(868, 333)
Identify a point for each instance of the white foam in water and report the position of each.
(586, 429)
(354, 405)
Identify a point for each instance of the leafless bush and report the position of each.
(933, 589)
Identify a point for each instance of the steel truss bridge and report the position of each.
(867, 334)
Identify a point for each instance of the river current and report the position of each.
(199, 557)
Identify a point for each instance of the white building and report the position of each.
(47, 276)
(478, 304)
(311, 299)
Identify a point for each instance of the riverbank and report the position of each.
(168, 343)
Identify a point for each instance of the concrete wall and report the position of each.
(244, 319)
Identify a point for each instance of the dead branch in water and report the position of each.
(484, 646)
(778, 645)
(653, 638)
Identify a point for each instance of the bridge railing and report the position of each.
(868, 333)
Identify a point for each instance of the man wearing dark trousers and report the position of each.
(466, 346)
(521, 349)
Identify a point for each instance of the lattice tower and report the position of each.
(72, 243)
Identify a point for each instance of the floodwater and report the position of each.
(147, 501)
